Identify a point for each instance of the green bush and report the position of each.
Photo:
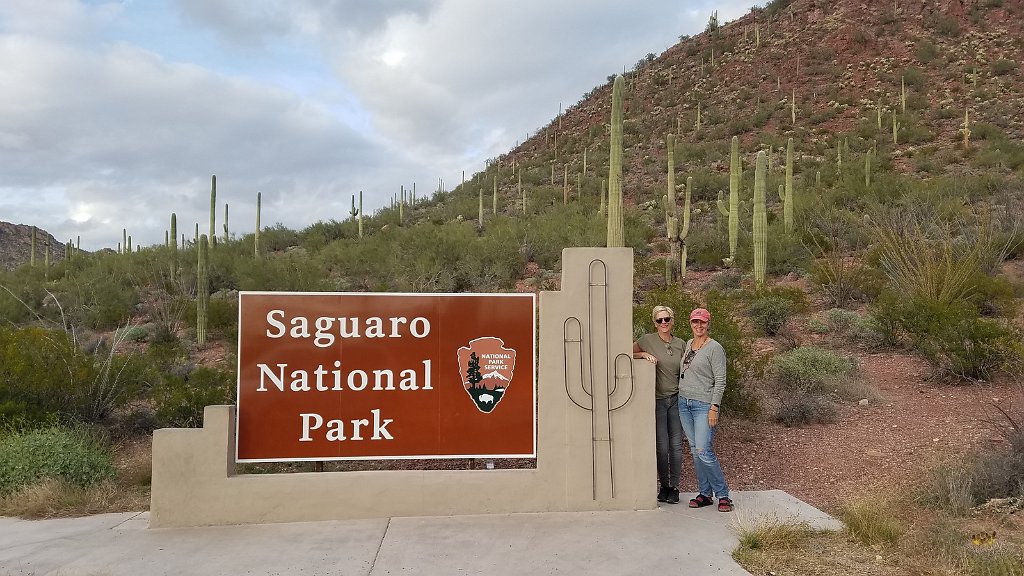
(72, 455)
(811, 369)
(770, 312)
(179, 400)
(724, 329)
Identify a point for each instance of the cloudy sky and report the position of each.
(113, 114)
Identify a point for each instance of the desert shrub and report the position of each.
(833, 321)
(811, 369)
(799, 408)
(770, 313)
(1002, 66)
(179, 400)
(74, 455)
(724, 329)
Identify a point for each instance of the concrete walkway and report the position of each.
(670, 540)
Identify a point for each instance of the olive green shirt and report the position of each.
(668, 354)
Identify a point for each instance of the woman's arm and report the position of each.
(718, 369)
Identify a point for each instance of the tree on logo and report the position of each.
(474, 370)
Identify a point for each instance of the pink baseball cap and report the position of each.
(700, 314)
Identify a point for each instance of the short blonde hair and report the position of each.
(659, 309)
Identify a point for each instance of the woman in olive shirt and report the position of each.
(665, 350)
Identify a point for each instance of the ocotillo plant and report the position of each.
(760, 225)
(212, 238)
(256, 235)
(174, 245)
(615, 216)
(202, 291)
(733, 213)
(787, 199)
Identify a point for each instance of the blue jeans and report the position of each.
(668, 440)
(694, 417)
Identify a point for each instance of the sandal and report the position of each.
(700, 501)
(725, 505)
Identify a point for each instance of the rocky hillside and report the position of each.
(16, 245)
(815, 71)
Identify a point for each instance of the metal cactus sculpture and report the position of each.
(202, 291)
(212, 238)
(760, 225)
(615, 217)
(733, 212)
(787, 196)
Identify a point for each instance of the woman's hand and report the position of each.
(650, 358)
(713, 416)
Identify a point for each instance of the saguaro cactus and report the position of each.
(760, 225)
(685, 230)
(787, 198)
(360, 214)
(733, 212)
(226, 233)
(174, 244)
(480, 213)
(867, 169)
(671, 217)
(966, 129)
(256, 235)
(202, 291)
(522, 192)
(212, 238)
(494, 198)
(615, 222)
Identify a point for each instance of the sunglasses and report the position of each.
(663, 320)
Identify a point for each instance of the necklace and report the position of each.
(695, 346)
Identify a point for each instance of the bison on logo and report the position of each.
(486, 368)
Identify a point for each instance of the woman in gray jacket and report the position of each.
(701, 386)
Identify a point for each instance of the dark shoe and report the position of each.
(701, 501)
(663, 494)
(725, 505)
(673, 496)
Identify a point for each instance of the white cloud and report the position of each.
(115, 114)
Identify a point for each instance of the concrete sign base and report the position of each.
(595, 440)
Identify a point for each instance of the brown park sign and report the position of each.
(336, 376)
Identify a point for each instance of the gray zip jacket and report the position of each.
(704, 378)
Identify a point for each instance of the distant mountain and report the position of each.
(16, 246)
(495, 375)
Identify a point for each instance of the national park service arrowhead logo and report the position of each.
(486, 367)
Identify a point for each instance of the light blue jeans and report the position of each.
(694, 416)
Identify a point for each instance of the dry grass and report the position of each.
(932, 544)
(52, 498)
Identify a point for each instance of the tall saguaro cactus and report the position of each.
(202, 291)
(226, 233)
(615, 223)
(212, 238)
(760, 225)
(173, 238)
(360, 214)
(256, 235)
(671, 217)
(787, 199)
(685, 230)
(733, 212)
